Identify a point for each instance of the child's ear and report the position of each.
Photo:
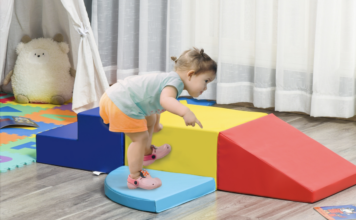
(190, 74)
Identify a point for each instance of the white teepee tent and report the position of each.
(42, 18)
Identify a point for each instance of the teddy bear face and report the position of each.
(42, 52)
(39, 56)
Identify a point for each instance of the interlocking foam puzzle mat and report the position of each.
(18, 144)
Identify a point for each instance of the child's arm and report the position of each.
(170, 103)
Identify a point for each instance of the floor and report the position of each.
(47, 192)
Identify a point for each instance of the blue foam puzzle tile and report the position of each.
(10, 161)
(22, 131)
(176, 189)
(198, 102)
(8, 109)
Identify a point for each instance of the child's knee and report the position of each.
(140, 138)
(151, 120)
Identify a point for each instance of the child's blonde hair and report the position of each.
(194, 59)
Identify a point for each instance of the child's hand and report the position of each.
(190, 119)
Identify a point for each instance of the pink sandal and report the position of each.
(157, 153)
(145, 181)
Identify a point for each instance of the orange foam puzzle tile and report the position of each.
(6, 138)
(55, 116)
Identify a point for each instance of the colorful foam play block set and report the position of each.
(236, 151)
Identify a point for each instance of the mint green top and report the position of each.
(139, 96)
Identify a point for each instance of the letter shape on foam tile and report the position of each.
(4, 159)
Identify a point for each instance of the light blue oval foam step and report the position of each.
(10, 161)
(176, 189)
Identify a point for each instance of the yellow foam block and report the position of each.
(194, 150)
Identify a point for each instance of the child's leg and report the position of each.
(158, 126)
(151, 122)
(136, 151)
(159, 152)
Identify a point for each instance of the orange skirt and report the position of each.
(117, 120)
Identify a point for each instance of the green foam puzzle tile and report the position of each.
(10, 161)
(26, 146)
(3, 95)
(58, 117)
(23, 109)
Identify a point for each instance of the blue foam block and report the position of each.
(198, 102)
(87, 144)
(176, 189)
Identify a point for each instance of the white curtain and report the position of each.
(40, 18)
(294, 55)
(6, 8)
(90, 83)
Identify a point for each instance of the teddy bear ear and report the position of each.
(19, 48)
(58, 38)
(64, 47)
(25, 39)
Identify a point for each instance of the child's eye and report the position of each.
(206, 81)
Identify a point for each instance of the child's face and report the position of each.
(197, 84)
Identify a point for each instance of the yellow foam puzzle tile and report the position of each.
(34, 105)
(27, 128)
(194, 150)
(38, 105)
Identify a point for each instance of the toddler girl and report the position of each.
(133, 106)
